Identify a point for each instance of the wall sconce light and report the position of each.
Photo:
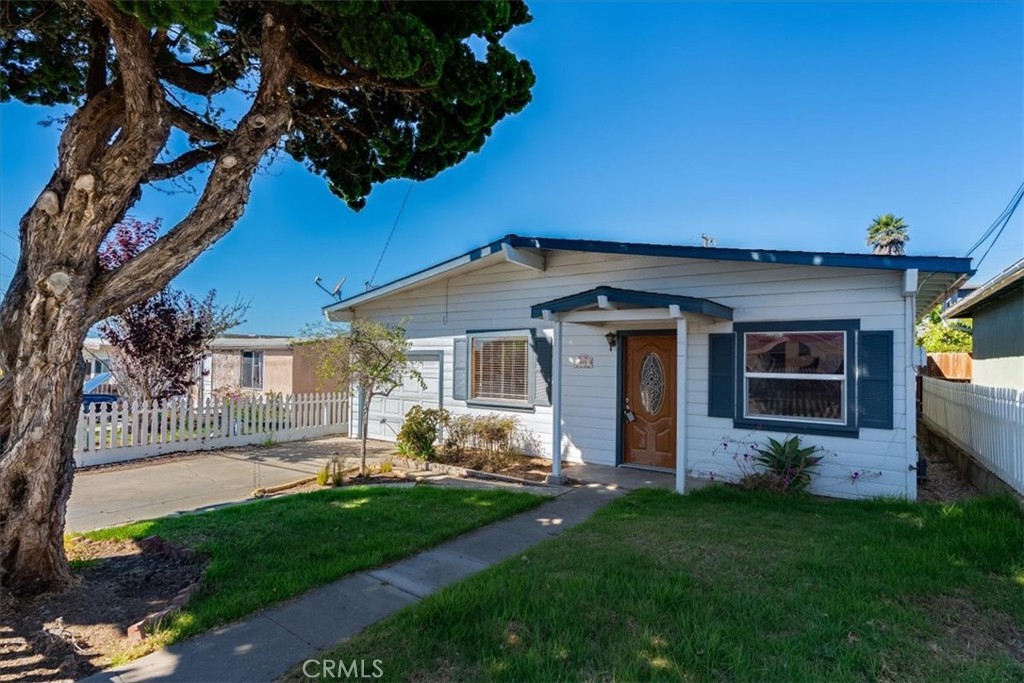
(610, 338)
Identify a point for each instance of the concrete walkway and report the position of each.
(270, 644)
(200, 481)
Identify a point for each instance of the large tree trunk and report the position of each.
(37, 465)
(107, 149)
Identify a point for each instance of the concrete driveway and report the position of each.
(198, 481)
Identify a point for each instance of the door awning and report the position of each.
(611, 299)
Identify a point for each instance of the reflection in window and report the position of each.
(795, 375)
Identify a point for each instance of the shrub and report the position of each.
(419, 432)
(387, 466)
(788, 466)
(459, 434)
(333, 473)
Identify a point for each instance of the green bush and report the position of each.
(788, 466)
(419, 432)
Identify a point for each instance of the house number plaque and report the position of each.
(584, 362)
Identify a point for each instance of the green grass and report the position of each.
(726, 585)
(264, 552)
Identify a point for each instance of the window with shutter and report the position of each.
(500, 369)
(798, 375)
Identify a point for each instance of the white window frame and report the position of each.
(471, 398)
(747, 376)
(263, 368)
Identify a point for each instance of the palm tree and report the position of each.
(887, 235)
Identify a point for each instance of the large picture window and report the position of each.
(797, 376)
(252, 370)
(500, 368)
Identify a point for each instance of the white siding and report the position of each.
(500, 296)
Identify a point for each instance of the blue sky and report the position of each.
(764, 125)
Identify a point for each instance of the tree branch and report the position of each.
(321, 79)
(96, 79)
(182, 164)
(191, 124)
(225, 195)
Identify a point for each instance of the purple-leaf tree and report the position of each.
(156, 344)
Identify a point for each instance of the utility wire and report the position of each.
(391, 234)
(1003, 217)
(1002, 227)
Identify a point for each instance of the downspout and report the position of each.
(910, 284)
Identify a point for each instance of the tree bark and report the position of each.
(364, 423)
(59, 292)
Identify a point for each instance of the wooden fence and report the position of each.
(117, 432)
(986, 422)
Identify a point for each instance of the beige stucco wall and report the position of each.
(277, 372)
(304, 374)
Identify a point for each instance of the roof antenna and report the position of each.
(708, 240)
(333, 293)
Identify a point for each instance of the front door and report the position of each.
(649, 400)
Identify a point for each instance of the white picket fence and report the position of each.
(987, 422)
(117, 432)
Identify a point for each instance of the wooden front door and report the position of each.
(649, 400)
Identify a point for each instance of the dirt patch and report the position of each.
(967, 631)
(71, 633)
(944, 484)
(520, 466)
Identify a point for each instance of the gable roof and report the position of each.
(1006, 282)
(938, 273)
(631, 297)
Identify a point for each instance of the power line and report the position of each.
(1002, 218)
(391, 234)
(1002, 227)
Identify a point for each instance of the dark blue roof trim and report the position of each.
(942, 264)
(633, 297)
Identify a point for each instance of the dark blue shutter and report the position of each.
(875, 379)
(460, 374)
(721, 375)
(542, 369)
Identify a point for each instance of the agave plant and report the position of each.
(887, 235)
(791, 464)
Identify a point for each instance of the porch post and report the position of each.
(681, 407)
(556, 407)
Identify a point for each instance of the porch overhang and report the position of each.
(603, 305)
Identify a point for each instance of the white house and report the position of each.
(663, 354)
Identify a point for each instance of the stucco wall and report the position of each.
(277, 372)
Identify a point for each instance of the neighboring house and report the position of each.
(997, 308)
(238, 363)
(665, 353)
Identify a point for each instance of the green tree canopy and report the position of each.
(937, 335)
(887, 235)
(358, 92)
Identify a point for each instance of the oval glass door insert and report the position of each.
(652, 383)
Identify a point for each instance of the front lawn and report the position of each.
(264, 552)
(726, 585)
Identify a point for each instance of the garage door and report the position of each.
(388, 412)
